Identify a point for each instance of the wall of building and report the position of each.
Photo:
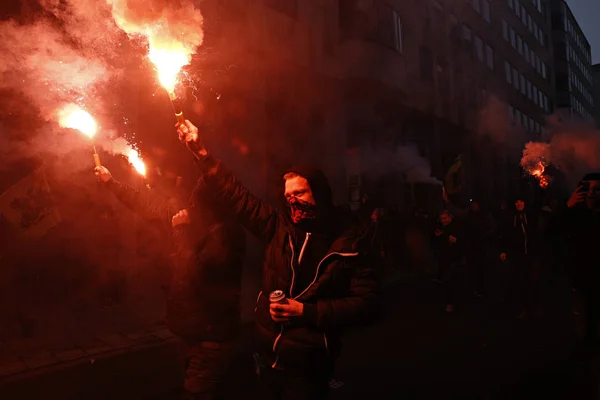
(572, 63)
(596, 92)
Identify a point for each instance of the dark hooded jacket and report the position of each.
(319, 265)
(206, 257)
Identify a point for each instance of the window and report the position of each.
(523, 89)
(544, 69)
(520, 45)
(536, 30)
(515, 78)
(518, 8)
(511, 112)
(479, 48)
(476, 6)
(541, 99)
(505, 30)
(535, 94)
(397, 31)
(530, 23)
(529, 89)
(542, 38)
(546, 106)
(524, 119)
(532, 58)
(489, 52)
(523, 16)
(507, 70)
(538, 65)
(530, 123)
(518, 116)
(486, 10)
(513, 38)
(466, 33)
(526, 51)
(511, 4)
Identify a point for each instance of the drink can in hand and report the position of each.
(277, 296)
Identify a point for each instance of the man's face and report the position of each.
(298, 195)
(445, 219)
(299, 188)
(520, 205)
(593, 195)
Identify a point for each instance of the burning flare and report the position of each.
(168, 63)
(136, 161)
(538, 172)
(173, 30)
(74, 117)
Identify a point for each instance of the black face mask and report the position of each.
(301, 210)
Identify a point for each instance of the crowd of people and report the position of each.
(527, 240)
(323, 266)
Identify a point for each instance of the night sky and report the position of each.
(587, 13)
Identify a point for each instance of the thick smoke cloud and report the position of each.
(404, 160)
(39, 61)
(573, 147)
(165, 23)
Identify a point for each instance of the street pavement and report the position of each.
(417, 351)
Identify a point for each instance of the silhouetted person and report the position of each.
(313, 257)
(447, 240)
(583, 223)
(477, 227)
(203, 302)
(517, 245)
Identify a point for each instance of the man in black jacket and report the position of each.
(312, 256)
(203, 303)
(582, 222)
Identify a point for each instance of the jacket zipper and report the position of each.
(257, 299)
(281, 327)
(319, 267)
(299, 261)
(326, 344)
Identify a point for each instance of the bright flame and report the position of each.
(168, 63)
(74, 117)
(136, 161)
(538, 173)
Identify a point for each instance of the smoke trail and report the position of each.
(174, 25)
(494, 122)
(573, 147)
(38, 61)
(405, 160)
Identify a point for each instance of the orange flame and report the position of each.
(538, 173)
(74, 117)
(136, 161)
(173, 30)
(168, 63)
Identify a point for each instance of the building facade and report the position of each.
(596, 93)
(572, 61)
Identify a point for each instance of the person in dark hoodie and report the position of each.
(582, 222)
(312, 256)
(478, 228)
(203, 301)
(517, 245)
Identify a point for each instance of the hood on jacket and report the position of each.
(321, 191)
